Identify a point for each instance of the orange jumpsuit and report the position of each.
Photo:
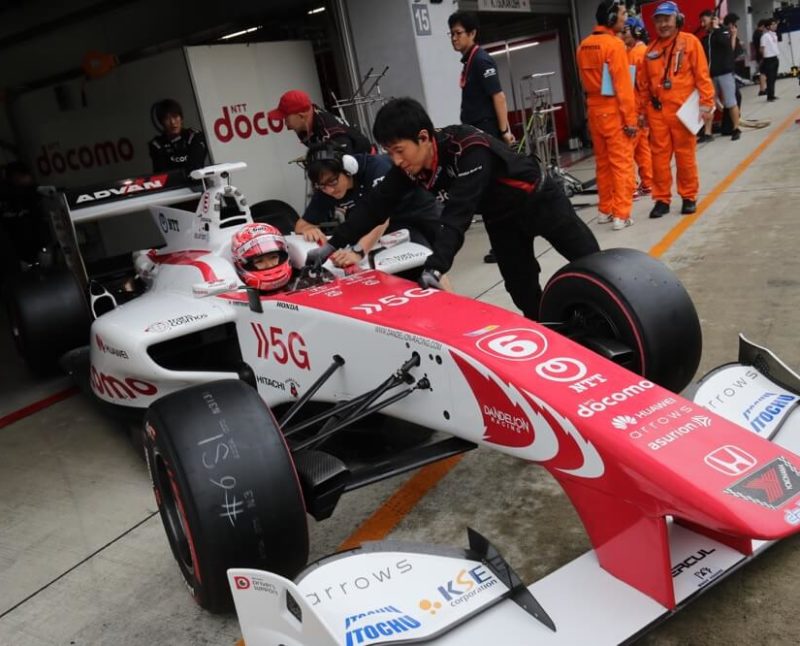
(613, 150)
(687, 71)
(641, 142)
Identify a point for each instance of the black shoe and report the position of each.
(703, 138)
(762, 93)
(736, 134)
(772, 98)
(688, 207)
(490, 258)
(659, 210)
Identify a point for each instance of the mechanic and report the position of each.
(769, 56)
(24, 230)
(313, 125)
(718, 47)
(260, 257)
(756, 48)
(470, 171)
(611, 110)
(342, 181)
(483, 102)
(634, 35)
(176, 147)
(674, 66)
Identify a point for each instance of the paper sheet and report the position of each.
(689, 113)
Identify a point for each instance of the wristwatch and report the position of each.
(356, 248)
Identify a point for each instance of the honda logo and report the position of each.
(730, 460)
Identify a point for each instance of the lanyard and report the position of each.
(432, 179)
(666, 83)
(465, 69)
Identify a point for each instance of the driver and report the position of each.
(260, 257)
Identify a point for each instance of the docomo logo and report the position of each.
(563, 369)
(589, 408)
(241, 582)
(241, 125)
(516, 344)
(116, 388)
(103, 153)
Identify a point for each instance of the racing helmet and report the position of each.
(249, 244)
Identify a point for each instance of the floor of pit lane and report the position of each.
(83, 557)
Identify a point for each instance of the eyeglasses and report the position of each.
(329, 183)
(456, 33)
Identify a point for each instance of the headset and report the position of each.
(328, 152)
(608, 12)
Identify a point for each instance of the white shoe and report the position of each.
(620, 224)
(604, 219)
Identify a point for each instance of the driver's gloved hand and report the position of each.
(429, 279)
(319, 255)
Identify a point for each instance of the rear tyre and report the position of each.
(49, 315)
(226, 487)
(635, 300)
(275, 212)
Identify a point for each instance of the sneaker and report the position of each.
(736, 134)
(762, 93)
(637, 194)
(660, 209)
(703, 138)
(645, 190)
(621, 223)
(772, 98)
(688, 207)
(604, 219)
(490, 258)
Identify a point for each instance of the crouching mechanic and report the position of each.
(341, 181)
(471, 172)
(260, 257)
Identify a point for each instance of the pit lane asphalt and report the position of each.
(83, 557)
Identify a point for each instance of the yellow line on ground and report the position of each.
(688, 220)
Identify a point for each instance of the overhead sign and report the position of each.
(504, 5)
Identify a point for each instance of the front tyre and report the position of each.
(625, 298)
(226, 487)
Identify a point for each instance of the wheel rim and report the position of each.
(589, 326)
(175, 521)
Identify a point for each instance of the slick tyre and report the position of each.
(275, 212)
(49, 315)
(226, 487)
(625, 299)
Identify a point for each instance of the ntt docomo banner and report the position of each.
(90, 132)
(236, 87)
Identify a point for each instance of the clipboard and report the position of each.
(607, 85)
(689, 113)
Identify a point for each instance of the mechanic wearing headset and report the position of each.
(635, 38)
(341, 181)
(260, 257)
(176, 147)
(470, 171)
(312, 125)
(674, 66)
(611, 109)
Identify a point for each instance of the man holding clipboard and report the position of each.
(675, 86)
(611, 108)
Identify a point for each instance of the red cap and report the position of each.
(291, 102)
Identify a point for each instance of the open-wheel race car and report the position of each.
(262, 409)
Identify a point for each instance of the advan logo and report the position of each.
(152, 183)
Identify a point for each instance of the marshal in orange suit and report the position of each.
(674, 66)
(611, 109)
(635, 38)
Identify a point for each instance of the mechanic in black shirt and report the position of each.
(341, 181)
(471, 171)
(176, 147)
(312, 125)
(718, 44)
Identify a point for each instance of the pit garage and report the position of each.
(84, 558)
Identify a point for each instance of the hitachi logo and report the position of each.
(156, 181)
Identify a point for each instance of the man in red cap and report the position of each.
(315, 126)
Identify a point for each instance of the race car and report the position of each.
(263, 408)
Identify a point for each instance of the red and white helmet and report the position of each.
(254, 240)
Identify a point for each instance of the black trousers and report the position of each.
(770, 67)
(548, 214)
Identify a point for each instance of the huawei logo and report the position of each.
(623, 421)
